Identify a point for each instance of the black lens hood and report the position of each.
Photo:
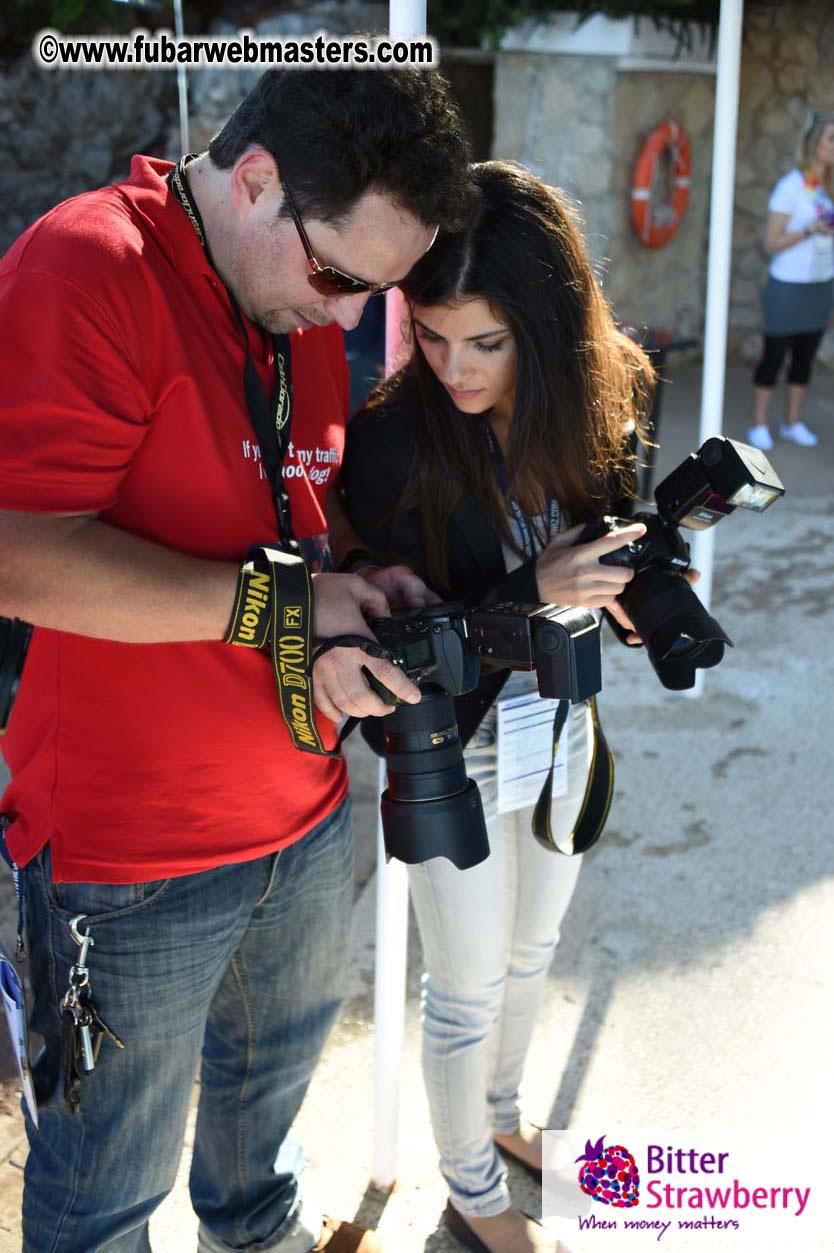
(449, 826)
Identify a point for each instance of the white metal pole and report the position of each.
(182, 85)
(718, 265)
(389, 1004)
(406, 18)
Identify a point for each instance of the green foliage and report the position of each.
(469, 22)
(20, 20)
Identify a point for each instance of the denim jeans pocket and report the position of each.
(102, 901)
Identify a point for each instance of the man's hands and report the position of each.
(342, 602)
(570, 574)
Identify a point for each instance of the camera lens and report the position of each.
(430, 808)
(14, 641)
(680, 636)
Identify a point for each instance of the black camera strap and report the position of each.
(598, 791)
(271, 419)
(274, 602)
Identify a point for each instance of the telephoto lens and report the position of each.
(14, 642)
(430, 808)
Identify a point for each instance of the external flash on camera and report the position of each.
(722, 475)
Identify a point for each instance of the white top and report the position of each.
(812, 260)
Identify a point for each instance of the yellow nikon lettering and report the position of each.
(292, 641)
(294, 680)
(258, 583)
(291, 652)
(301, 723)
(255, 604)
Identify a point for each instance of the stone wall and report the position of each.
(63, 132)
(579, 122)
(555, 115)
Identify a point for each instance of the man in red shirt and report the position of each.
(157, 804)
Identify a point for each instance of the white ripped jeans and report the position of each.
(488, 938)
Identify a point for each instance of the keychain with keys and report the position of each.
(83, 1028)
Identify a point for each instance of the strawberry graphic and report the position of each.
(609, 1175)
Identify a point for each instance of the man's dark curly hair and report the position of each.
(337, 133)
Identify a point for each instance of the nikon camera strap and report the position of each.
(274, 605)
(274, 601)
(598, 791)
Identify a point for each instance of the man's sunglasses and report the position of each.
(326, 279)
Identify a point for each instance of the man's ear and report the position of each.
(254, 180)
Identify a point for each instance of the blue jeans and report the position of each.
(237, 970)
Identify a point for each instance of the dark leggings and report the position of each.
(803, 348)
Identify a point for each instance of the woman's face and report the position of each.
(472, 352)
(825, 145)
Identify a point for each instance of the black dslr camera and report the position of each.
(14, 643)
(680, 635)
(430, 808)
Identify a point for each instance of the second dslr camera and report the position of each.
(680, 636)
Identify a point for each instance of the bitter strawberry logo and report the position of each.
(610, 1175)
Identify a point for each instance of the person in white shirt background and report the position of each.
(799, 291)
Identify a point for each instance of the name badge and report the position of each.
(525, 751)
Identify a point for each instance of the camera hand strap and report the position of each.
(598, 791)
(274, 607)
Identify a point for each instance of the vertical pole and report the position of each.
(182, 86)
(406, 19)
(718, 266)
(389, 1004)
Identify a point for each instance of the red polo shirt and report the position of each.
(122, 394)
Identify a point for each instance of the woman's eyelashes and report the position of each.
(428, 338)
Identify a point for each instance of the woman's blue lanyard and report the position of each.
(525, 530)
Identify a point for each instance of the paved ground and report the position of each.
(694, 982)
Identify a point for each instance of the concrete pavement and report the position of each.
(694, 980)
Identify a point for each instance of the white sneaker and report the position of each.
(797, 433)
(760, 437)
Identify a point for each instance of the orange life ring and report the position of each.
(654, 223)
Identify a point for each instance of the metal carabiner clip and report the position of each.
(84, 941)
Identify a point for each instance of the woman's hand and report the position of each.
(619, 614)
(403, 588)
(572, 574)
(777, 238)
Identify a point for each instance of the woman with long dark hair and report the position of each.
(477, 465)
